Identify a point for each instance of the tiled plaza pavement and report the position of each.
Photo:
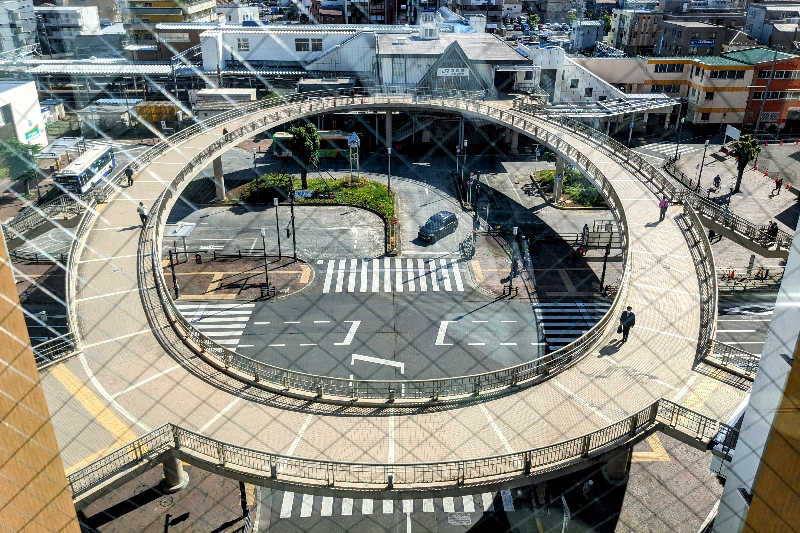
(130, 385)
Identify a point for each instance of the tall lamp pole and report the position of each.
(678, 136)
(702, 162)
(264, 244)
(511, 274)
(291, 212)
(464, 163)
(277, 227)
(389, 167)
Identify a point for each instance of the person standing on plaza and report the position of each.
(778, 185)
(626, 321)
(142, 210)
(129, 175)
(662, 206)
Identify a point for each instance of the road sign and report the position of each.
(353, 140)
(303, 193)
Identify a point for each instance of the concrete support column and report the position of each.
(616, 469)
(514, 142)
(596, 123)
(644, 121)
(558, 183)
(388, 129)
(666, 121)
(219, 178)
(175, 477)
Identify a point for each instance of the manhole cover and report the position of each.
(166, 501)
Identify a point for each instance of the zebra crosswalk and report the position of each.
(222, 323)
(392, 274)
(667, 148)
(299, 505)
(563, 322)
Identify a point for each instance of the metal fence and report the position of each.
(349, 390)
(54, 350)
(734, 358)
(255, 465)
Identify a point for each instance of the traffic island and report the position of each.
(491, 267)
(234, 277)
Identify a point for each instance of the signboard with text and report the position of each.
(452, 72)
(697, 43)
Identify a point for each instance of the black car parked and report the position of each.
(441, 224)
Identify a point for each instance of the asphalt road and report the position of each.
(744, 319)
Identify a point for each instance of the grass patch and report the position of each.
(360, 193)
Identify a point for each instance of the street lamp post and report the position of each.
(702, 162)
(511, 274)
(464, 162)
(678, 137)
(291, 213)
(277, 227)
(458, 154)
(389, 168)
(266, 266)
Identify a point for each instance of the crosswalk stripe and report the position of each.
(376, 276)
(306, 505)
(448, 505)
(327, 506)
(423, 282)
(408, 506)
(457, 275)
(227, 342)
(388, 506)
(222, 333)
(326, 287)
(183, 306)
(215, 319)
(340, 276)
(207, 325)
(411, 284)
(427, 505)
(364, 264)
(486, 500)
(347, 506)
(286, 506)
(434, 275)
(399, 277)
(508, 501)
(387, 275)
(445, 275)
(351, 282)
(469, 503)
(366, 506)
(211, 313)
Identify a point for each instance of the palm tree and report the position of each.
(304, 147)
(745, 149)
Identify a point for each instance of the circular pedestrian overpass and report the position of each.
(535, 419)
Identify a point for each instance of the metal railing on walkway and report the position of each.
(343, 390)
(263, 467)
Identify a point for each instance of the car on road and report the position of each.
(439, 225)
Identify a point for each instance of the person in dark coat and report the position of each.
(626, 321)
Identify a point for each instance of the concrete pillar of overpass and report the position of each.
(514, 142)
(616, 469)
(558, 183)
(388, 129)
(596, 123)
(644, 122)
(219, 178)
(175, 477)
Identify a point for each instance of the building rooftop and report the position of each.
(785, 26)
(100, 69)
(714, 61)
(476, 46)
(759, 54)
(690, 24)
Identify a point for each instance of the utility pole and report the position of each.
(605, 262)
(702, 162)
(277, 227)
(266, 266)
(291, 211)
(389, 169)
(513, 260)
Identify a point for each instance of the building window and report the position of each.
(763, 74)
(587, 92)
(316, 45)
(528, 75)
(705, 116)
(710, 95)
(301, 45)
(714, 74)
(243, 45)
(573, 84)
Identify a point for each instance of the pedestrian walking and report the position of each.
(717, 181)
(142, 210)
(129, 175)
(778, 185)
(662, 206)
(224, 131)
(626, 321)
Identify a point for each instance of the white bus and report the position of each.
(89, 169)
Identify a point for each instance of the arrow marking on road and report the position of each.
(378, 361)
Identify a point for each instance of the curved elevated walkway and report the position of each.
(129, 384)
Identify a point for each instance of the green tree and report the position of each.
(606, 18)
(304, 147)
(533, 21)
(745, 149)
(18, 158)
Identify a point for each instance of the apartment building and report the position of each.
(17, 24)
(634, 31)
(774, 94)
(689, 38)
(60, 27)
(107, 10)
(237, 14)
(761, 17)
(140, 18)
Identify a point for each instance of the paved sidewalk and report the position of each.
(491, 266)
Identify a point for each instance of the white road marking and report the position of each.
(104, 393)
(308, 344)
(399, 275)
(364, 267)
(327, 506)
(350, 333)
(326, 287)
(245, 346)
(206, 325)
(423, 282)
(390, 452)
(219, 415)
(351, 280)
(376, 275)
(299, 436)
(378, 361)
(276, 345)
(480, 321)
(508, 321)
(203, 305)
(581, 401)
(261, 323)
(469, 503)
(411, 285)
(427, 505)
(448, 505)
(321, 322)
(116, 293)
(306, 505)
(347, 506)
(107, 258)
(222, 333)
(434, 281)
(408, 506)
(286, 505)
(387, 274)
(736, 331)
(145, 381)
(445, 275)
(486, 501)
(456, 274)
(749, 342)
(476, 344)
(366, 506)
(291, 321)
(99, 343)
(388, 506)
(441, 333)
(209, 319)
(496, 429)
(340, 276)
(508, 344)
